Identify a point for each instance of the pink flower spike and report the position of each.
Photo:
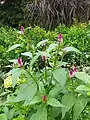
(22, 29)
(60, 38)
(71, 74)
(44, 58)
(44, 98)
(20, 63)
(75, 69)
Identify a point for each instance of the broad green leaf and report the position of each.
(55, 91)
(28, 54)
(54, 102)
(29, 93)
(51, 47)
(80, 104)
(35, 100)
(3, 117)
(83, 88)
(41, 114)
(83, 76)
(15, 75)
(60, 76)
(56, 111)
(20, 97)
(68, 100)
(13, 47)
(69, 49)
(41, 43)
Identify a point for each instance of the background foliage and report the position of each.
(32, 35)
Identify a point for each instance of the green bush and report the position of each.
(77, 36)
(46, 71)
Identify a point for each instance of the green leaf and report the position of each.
(80, 104)
(54, 102)
(5, 109)
(28, 54)
(60, 76)
(26, 93)
(51, 47)
(34, 59)
(35, 100)
(69, 49)
(56, 111)
(15, 75)
(29, 93)
(83, 76)
(13, 47)
(68, 100)
(55, 91)
(11, 114)
(41, 43)
(41, 114)
(83, 88)
(3, 117)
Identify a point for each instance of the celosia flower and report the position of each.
(22, 29)
(71, 73)
(44, 58)
(44, 98)
(60, 38)
(75, 69)
(19, 62)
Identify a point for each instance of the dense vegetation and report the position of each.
(36, 64)
(44, 60)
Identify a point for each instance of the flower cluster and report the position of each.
(8, 82)
(72, 71)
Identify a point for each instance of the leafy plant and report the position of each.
(48, 85)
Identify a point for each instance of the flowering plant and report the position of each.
(50, 90)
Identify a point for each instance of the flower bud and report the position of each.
(44, 98)
(71, 74)
(22, 29)
(44, 58)
(60, 38)
(19, 62)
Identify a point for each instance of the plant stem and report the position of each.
(45, 72)
(33, 78)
